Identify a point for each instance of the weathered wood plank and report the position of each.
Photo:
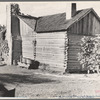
(50, 41)
(50, 55)
(57, 63)
(26, 39)
(91, 25)
(50, 61)
(55, 35)
(25, 29)
(50, 50)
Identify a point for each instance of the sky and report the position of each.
(48, 8)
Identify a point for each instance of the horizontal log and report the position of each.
(45, 46)
(75, 36)
(74, 56)
(51, 63)
(74, 70)
(28, 52)
(68, 58)
(28, 38)
(30, 35)
(74, 61)
(50, 50)
(48, 56)
(74, 46)
(50, 41)
(52, 35)
(73, 53)
(74, 67)
(28, 55)
(28, 47)
(74, 39)
(58, 46)
(46, 50)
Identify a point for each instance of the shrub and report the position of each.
(89, 55)
(4, 50)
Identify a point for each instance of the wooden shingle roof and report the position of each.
(56, 22)
(29, 20)
(51, 23)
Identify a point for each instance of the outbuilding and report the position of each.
(53, 40)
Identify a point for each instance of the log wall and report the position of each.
(74, 46)
(50, 48)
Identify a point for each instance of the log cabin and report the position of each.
(51, 40)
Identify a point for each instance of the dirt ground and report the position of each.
(38, 84)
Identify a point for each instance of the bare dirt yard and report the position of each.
(41, 84)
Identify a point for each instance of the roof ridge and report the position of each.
(27, 16)
(52, 15)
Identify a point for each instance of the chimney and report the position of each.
(73, 10)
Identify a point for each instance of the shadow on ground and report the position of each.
(15, 78)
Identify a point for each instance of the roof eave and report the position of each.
(51, 31)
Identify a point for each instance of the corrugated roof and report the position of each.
(51, 23)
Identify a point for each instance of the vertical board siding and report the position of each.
(50, 48)
(89, 25)
(96, 26)
(28, 37)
